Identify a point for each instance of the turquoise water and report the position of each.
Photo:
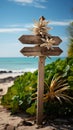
(18, 64)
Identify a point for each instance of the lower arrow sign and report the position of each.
(41, 51)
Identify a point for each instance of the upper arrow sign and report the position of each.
(33, 39)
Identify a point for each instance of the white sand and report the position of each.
(5, 87)
(5, 75)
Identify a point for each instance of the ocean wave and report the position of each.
(17, 71)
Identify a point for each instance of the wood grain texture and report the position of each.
(41, 51)
(40, 90)
(33, 39)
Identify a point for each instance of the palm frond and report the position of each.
(57, 97)
(66, 97)
(57, 89)
(62, 89)
(61, 86)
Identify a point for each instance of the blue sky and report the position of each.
(16, 17)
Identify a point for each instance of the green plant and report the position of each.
(19, 96)
(57, 90)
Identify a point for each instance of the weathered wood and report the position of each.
(33, 39)
(30, 39)
(55, 51)
(57, 40)
(41, 51)
(40, 90)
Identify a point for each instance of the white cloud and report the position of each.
(35, 3)
(23, 1)
(39, 6)
(28, 26)
(10, 30)
(60, 23)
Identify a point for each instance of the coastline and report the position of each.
(7, 80)
(13, 74)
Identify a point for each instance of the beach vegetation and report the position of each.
(58, 90)
(70, 44)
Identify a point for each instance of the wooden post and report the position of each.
(40, 90)
(42, 52)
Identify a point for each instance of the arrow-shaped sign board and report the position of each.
(33, 39)
(41, 51)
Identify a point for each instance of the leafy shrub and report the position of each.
(19, 95)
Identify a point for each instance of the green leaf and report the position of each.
(31, 110)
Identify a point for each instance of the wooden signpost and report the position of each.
(42, 52)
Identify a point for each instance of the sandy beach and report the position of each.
(16, 122)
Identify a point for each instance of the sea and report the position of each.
(22, 64)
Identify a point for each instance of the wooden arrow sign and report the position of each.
(30, 39)
(33, 39)
(41, 51)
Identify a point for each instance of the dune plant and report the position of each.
(57, 90)
(57, 97)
